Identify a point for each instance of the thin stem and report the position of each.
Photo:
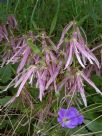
(34, 10)
(96, 47)
(16, 6)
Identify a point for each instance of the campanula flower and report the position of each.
(76, 46)
(47, 66)
(3, 33)
(11, 21)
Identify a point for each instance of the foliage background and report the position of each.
(51, 16)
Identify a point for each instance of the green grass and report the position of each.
(53, 15)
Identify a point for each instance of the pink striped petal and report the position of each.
(67, 27)
(84, 52)
(18, 82)
(41, 84)
(70, 56)
(62, 83)
(87, 54)
(27, 76)
(53, 77)
(16, 55)
(53, 58)
(78, 57)
(81, 90)
(91, 83)
(24, 60)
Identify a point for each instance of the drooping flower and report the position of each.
(3, 33)
(76, 46)
(11, 21)
(50, 67)
(70, 118)
(89, 69)
(5, 57)
(74, 83)
(20, 53)
(20, 81)
(42, 69)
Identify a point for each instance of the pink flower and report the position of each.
(20, 53)
(26, 54)
(3, 33)
(23, 79)
(81, 52)
(41, 80)
(79, 79)
(20, 81)
(11, 21)
(50, 67)
(76, 46)
(42, 69)
(74, 83)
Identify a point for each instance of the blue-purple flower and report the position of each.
(70, 118)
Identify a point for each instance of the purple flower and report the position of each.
(76, 46)
(11, 21)
(55, 68)
(3, 33)
(81, 51)
(70, 118)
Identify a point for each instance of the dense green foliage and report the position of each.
(21, 118)
(43, 14)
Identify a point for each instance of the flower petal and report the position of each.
(71, 123)
(91, 83)
(71, 112)
(24, 59)
(62, 112)
(80, 119)
(24, 81)
(59, 119)
(53, 77)
(78, 57)
(81, 90)
(67, 27)
(70, 56)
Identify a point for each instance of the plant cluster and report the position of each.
(50, 67)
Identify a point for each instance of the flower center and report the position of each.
(65, 119)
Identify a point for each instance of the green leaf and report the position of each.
(5, 74)
(97, 80)
(80, 131)
(97, 98)
(94, 126)
(4, 100)
(34, 47)
(54, 21)
(57, 94)
(3, 124)
(82, 20)
(53, 24)
(35, 25)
